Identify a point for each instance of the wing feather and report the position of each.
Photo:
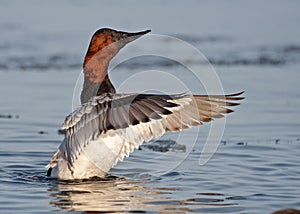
(137, 118)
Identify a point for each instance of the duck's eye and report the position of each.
(108, 37)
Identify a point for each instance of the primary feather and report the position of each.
(107, 128)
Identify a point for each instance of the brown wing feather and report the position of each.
(144, 116)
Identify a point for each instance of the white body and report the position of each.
(107, 128)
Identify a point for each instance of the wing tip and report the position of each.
(235, 96)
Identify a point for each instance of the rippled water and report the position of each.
(240, 178)
(256, 168)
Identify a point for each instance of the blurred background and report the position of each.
(253, 46)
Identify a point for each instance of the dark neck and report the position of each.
(91, 89)
(106, 87)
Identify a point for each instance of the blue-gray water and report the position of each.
(254, 46)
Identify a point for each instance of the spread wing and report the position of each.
(137, 118)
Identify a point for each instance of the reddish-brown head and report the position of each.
(104, 45)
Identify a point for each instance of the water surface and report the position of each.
(256, 168)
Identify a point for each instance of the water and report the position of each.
(256, 167)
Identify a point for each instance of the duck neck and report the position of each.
(96, 80)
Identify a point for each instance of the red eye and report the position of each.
(108, 37)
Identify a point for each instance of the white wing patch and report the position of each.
(108, 128)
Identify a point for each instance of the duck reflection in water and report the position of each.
(113, 194)
(106, 195)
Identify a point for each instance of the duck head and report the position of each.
(104, 45)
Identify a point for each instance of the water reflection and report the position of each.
(123, 195)
(109, 195)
